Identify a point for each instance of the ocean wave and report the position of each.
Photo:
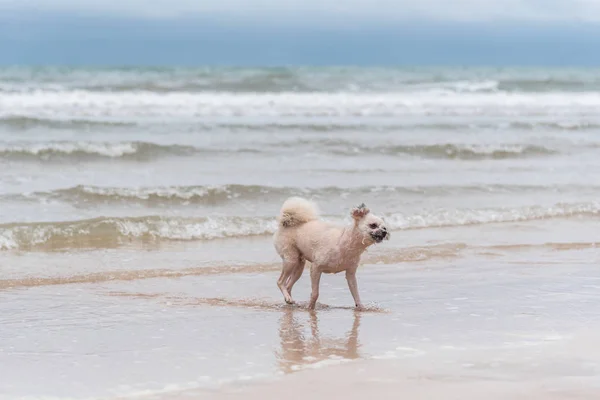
(23, 122)
(317, 125)
(576, 125)
(295, 79)
(449, 87)
(285, 82)
(161, 80)
(273, 80)
(325, 125)
(111, 232)
(132, 106)
(18, 122)
(85, 151)
(146, 151)
(88, 195)
(472, 152)
(458, 217)
(169, 195)
(548, 84)
(450, 151)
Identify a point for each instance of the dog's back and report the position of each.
(301, 233)
(295, 213)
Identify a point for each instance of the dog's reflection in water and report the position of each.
(298, 348)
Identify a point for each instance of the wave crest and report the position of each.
(472, 152)
(87, 151)
(448, 151)
(111, 232)
(137, 106)
(86, 195)
(182, 195)
(449, 218)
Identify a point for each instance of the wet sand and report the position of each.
(495, 315)
(562, 370)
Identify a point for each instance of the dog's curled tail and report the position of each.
(297, 211)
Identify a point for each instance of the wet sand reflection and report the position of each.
(299, 350)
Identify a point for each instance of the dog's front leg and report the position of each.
(353, 286)
(315, 279)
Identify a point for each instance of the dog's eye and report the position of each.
(373, 226)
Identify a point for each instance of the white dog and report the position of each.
(301, 236)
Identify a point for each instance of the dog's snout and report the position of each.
(384, 232)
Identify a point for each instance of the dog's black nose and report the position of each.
(384, 232)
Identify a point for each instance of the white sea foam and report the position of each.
(89, 149)
(111, 231)
(131, 105)
(458, 217)
(99, 148)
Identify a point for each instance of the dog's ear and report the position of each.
(360, 212)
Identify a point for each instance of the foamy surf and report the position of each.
(110, 232)
(82, 151)
(295, 79)
(131, 106)
(528, 123)
(89, 150)
(217, 195)
(450, 151)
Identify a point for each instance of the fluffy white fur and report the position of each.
(302, 236)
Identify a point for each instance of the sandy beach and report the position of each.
(445, 320)
(563, 370)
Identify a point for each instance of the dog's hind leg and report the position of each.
(296, 274)
(290, 264)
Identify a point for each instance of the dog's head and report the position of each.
(372, 227)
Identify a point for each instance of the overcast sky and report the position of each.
(510, 32)
(454, 10)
